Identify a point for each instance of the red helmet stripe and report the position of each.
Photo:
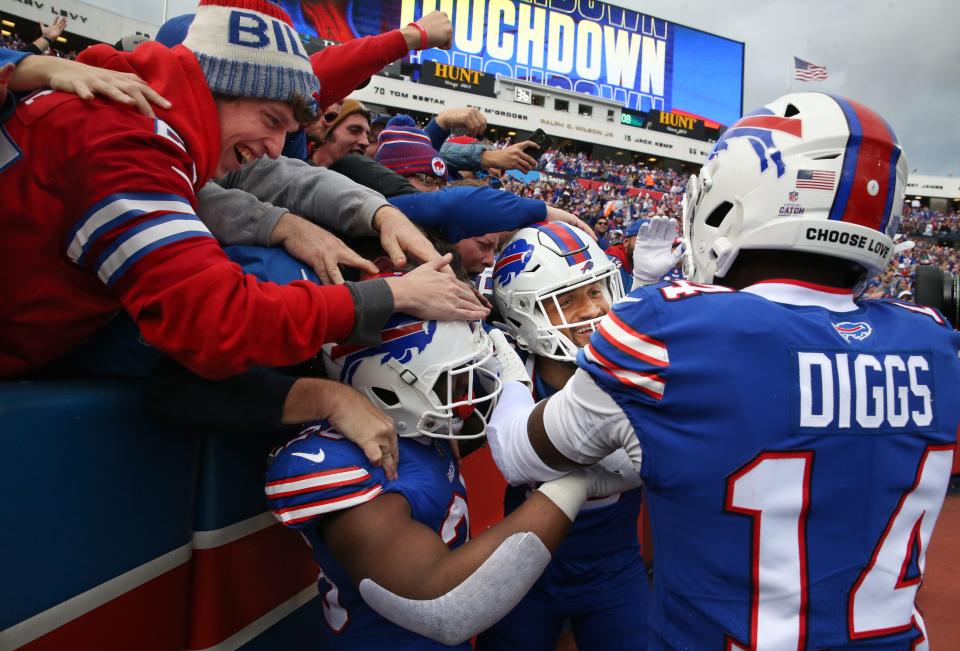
(793, 126)
(567, 240)
(871, 155)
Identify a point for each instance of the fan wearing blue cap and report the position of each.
(647, 251)
(622, 252)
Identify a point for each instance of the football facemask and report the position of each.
(535, 268)
(430, 377)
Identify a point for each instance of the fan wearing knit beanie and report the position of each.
(407, 150)
(249, 51)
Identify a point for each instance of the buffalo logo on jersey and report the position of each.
(402, 337)
(511, 262)
(758, 129)
(850, 331)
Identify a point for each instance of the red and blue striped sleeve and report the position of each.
(624, 354)
(137, 230)
(314, 476)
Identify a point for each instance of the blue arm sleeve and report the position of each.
(295, 145)
(437, 133)
(461, 156)
(466, 211)
(11, 56)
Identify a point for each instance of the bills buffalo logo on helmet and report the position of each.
(402, 337)
(438, 166)
(511, 262)
(758, 128)
(853, 331)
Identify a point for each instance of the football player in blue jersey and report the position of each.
(397, 568)
(552, 284)
(796, 443)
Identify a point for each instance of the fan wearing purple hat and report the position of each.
(407, 150)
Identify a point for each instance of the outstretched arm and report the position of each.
(407, 573)
(36, 72)
(577, 426)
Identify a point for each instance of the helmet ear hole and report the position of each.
(718, 215)
(791, 111)
(386, 396)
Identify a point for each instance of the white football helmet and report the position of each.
(808, 172)
(538, 264)
(433, 378)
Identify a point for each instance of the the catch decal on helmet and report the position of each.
(758, 129)
(433, 378)
(511, 262)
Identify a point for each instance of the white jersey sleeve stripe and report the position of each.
(295, 486)
(650, 383)
(302, 512)
(117, 209)
(632, 342)
(137, 244)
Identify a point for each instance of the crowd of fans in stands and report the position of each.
(608, 210)
(609, 195)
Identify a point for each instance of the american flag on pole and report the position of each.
(806, 71)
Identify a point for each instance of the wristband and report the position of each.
(568, 493)
(423, 34)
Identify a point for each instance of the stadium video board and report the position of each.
(584, 46)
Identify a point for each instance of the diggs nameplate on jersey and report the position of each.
(843, 392)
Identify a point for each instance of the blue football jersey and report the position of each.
(795, 460)
(320, 472)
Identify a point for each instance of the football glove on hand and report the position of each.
(614, 474)
(653, 252)
(507, 363)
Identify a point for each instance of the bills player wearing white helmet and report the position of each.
(552, 285)
(796, 442)
(398, 570)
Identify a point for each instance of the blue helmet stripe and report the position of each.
(850, 156)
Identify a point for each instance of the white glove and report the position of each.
(653, 252)
(508, 364)
(614, 474)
